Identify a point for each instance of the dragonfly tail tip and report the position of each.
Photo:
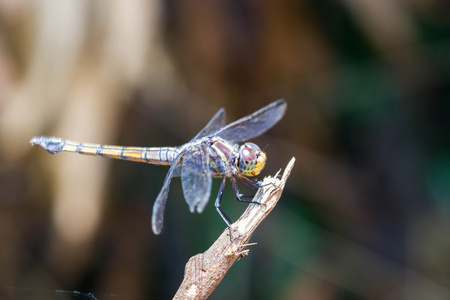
(51, 144)
(34, 140)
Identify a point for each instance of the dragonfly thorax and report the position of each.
(251, 159)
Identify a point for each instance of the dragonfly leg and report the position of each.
(250, 182)
(218, 203)
(256, 184)
(239, 195)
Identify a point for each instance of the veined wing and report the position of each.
(160, 203)
(216, 122)
(196, 177)
(255, 124)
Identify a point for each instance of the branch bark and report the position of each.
(204, 271)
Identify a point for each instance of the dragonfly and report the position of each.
(213, 152)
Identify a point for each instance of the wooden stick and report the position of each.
(204, 271)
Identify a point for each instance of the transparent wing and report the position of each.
(160, 203)
(255, 124)
(177, 171)
(217, 122)
(196, 177)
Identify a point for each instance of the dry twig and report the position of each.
(204, 271)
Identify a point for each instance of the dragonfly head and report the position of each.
(251, 159)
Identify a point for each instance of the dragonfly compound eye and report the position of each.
(251, 159)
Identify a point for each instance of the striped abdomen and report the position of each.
(151, 155)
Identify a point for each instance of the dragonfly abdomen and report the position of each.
(151, 155)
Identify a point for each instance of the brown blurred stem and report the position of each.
(204, 271)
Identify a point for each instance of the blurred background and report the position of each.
(365, 213)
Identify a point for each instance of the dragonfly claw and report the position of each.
(231, 233)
